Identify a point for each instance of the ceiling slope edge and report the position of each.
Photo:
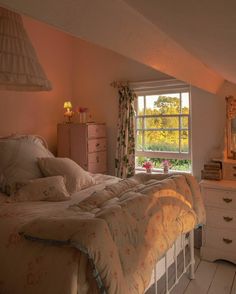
(114, 25)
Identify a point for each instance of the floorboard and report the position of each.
(222, 281)
(233, 290)
(203, 278)
(210, 278)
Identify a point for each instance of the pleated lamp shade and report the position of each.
(20, 69)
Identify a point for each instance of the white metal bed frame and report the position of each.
(185, 240)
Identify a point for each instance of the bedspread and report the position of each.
(125, 228)
(36, 268)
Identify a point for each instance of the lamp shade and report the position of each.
(20, 69)
(67, 104)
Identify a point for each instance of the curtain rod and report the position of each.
(117, 84)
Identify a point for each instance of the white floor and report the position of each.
(210, 278)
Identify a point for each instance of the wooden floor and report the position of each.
(210, 278)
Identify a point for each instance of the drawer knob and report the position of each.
(227, 200)
(227, 241)
(227, 218)
(98, 144)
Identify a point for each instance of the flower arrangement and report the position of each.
(148, 166)
(166, 166)
(82, 109)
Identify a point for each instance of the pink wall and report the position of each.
(82, 72)
(94, 69)
(39, 112)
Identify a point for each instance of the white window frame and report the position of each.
(159, 88)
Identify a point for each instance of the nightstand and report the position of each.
(219, 233)
(85, 143)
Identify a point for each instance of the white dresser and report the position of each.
(85, 143)
(219, 233)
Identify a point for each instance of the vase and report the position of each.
(148, 170)
(165, 169)
(82, 117)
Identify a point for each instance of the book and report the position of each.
(211, 175)
(213, 166)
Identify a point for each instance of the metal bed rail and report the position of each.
(187, 266)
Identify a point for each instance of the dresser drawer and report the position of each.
(229, 171)
(221, 218)
(96, 145)
(97, 157)
(96, 131)
(225, 199)
(221, 239)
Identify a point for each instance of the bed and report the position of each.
(103, 239)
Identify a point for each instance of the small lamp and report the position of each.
(68, 113)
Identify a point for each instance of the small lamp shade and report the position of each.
(68, 113)
(67, 105)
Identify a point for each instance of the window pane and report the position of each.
(140, 105)
(151, 107)
(180, 164)
(139, 141)
(161, 141)
(185, 103)
(184, 122)
(168, 104)
(139, 124)
(184, 141)
(162, 122)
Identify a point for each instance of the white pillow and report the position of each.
(43, 189)
(18, 160)
(76, 177)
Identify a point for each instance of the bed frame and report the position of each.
(186, 240)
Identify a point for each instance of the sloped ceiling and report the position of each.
(207, 29)
(190, 40)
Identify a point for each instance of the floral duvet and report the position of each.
(107, 242)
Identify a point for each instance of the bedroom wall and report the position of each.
(208, 123)
(94, 69)
(39, 112)
(82, 72)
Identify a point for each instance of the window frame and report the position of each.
(161, 88)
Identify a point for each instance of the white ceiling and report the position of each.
(192, 40)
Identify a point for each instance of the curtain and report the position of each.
(125, 149)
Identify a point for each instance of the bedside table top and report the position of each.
(219, 184)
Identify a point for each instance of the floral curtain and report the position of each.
(125, 149)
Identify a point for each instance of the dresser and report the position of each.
(85, 143)
(219, 233)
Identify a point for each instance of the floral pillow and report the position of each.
(43, 189)
(18, 160)
(76, 177)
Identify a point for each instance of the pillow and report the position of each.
(43, 189)
(76, 177)
(18, 160)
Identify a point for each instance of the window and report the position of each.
(163, 126)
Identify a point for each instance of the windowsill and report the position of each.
(160, 171)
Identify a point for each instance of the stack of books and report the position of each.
(212, 171)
